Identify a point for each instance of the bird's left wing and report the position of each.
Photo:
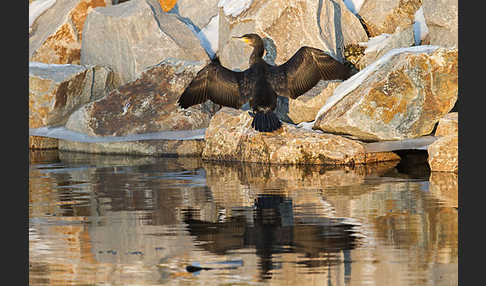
(304, 70)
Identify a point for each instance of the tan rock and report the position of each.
(448, 125)
(384, 16)
(147, 104)
(402, 98)
(230, 137)
(55, 36)
(443, 154)
(55, 91)
(287, 26)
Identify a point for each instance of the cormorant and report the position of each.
(261, 83)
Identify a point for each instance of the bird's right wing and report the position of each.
(216, 83)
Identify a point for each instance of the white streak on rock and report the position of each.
(234, 7)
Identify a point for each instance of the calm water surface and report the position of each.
(120, 220)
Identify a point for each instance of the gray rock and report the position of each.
(143, 147)
(198, 12)
(147, 104)
(287, 26)
(441, 17)
(55, 91)
(136, 34)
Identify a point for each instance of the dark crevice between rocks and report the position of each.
(363, 23)
(413, 164)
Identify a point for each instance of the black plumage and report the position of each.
(261, 83)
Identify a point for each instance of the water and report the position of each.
(120, 220)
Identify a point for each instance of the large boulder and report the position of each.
(147, 104)
(286, 26)
(56, 28)
(384, 16)
(136, 35)
(403, 95)
(55, 91)
(441, 17)
(230, 137)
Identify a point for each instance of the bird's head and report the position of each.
(251, 39)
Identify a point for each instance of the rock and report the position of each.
(443, 154)
(441, 17)
(55, 91)
(56, 28)
(147, 104)
(281, 24)
(448, 125)
(402, 96)
(377, 46)
(305, 107)
(142, 147)
(230, 137)
(38, 142)
(136, 35)
(440, 36)
(199, 13)
(384, 16)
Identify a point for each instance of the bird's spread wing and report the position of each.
(216, 83)
(304, 70)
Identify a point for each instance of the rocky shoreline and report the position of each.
(106, 69)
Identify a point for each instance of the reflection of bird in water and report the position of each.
(261, 83)
(271, 227)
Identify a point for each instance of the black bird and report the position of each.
(261, 83)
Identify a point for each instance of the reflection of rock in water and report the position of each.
(273, 229)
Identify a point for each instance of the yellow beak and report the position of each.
(243, 39)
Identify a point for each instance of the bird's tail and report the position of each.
(265, 121)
